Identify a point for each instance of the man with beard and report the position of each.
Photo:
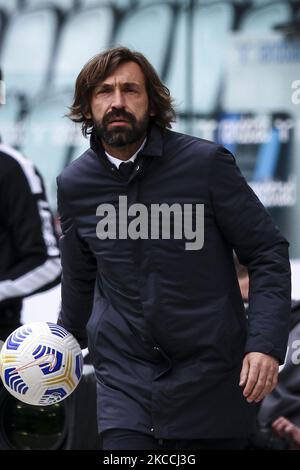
(177, 363)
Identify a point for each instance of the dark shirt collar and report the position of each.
(153, 146)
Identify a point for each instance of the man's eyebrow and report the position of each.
(132, 84)
(104, 85)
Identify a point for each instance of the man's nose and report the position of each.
(118, 100)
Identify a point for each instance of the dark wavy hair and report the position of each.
(100, 67)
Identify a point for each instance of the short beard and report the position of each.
(121, 136)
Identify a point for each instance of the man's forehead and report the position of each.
(128, 72)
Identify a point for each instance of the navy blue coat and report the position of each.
(166, 326)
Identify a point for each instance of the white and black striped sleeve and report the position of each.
(28, 247)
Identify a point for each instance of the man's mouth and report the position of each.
(118, 122)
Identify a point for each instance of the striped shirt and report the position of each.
(29, 255)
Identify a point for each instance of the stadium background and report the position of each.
(232, 67)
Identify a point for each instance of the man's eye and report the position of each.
(130, 90)
(102, 91)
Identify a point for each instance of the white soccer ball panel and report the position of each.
(41, 363)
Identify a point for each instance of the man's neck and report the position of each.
(123, 153)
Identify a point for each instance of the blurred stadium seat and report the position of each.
(85, 34)
(148, 30)
(49, 139)
(196, 65)
(27, 50)
(11, 120)
(209, 47)
(177, 74)
(3, 24)
(118, 3)
(140, 3)
(10, 5)
(263, 18)
(257, 3)
(62, 4)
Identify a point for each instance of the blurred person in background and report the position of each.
(288, 432)
(278, 414)
(29, 254)
(177, 364)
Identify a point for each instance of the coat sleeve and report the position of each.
(259, 245)
(35, 264)
(78, 275)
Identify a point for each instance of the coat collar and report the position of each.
(154, 143)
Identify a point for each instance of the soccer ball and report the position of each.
(41, 363)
